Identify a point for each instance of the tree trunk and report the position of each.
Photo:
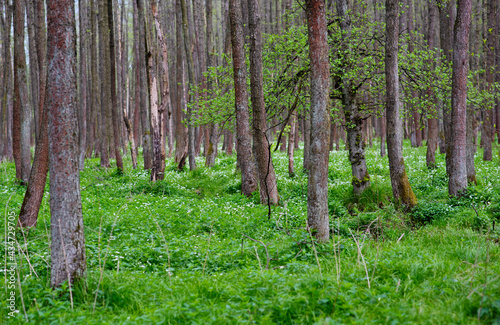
(28, 214)
(104, 82)
(180, 136)
(401, 188)
(22, 105)
(33, 66)
(68, 262)
(187, 49)
(414, 113)
(115, 115)
(146, 130)
(488, 123)
(446, 20)
(354, 119)
(82, 112)
(317, 189)
(243, 136)
(267, 178)
(458, 168)
(432, 123)
(307, 141)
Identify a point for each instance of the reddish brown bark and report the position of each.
(488, 122)
(317, 189)
(267, 177)
(180, 135)
(68, 262)
(432, 122)
(28, 214)
(401, 188)
(243, 136)
(458, 169)
(22, 105)
(115, 115)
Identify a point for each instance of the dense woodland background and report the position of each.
(342, 160)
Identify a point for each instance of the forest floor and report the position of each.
(193, 250)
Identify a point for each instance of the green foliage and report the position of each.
(211, 274)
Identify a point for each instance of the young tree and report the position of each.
(68, 262)
(243, 136)
(267, 178)
(180, 135)
(317, 189)
(458, 169)
(401, 188)
(488, 133)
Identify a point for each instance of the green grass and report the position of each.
(438, 264)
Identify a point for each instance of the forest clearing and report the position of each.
(250, 161)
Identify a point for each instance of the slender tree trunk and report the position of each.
(317, 189)
(33, 65)
(68, 262)
(22, 105)
(414, 113)
(267, 177)
(82, 112)
(115, 115)
(354, 119)
(94, 125)
(187, 49)
(243, 136)
(104, 82)
(470, 146)
(488, 122)
(401, 188)
(458, 168)
(307, 141)
(432, 122)
(446, 20)
(181, 141)
(28, 214)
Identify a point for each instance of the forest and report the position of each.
(250, 161)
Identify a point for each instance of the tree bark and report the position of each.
(82, 112)
(401, 188)
(32, 201)
(104, 82)
(488, 123)
(180, 136)
(145, 121)
(22, 105)
(432, 122)
(189, 55)
(115, 115)
(68, 262)
(458, 169)
(317, 189)
(243, 136)
(354, 118)
(267, 177)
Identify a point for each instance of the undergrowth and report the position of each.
(191, 249)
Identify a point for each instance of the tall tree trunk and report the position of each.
(267, 178)
(115, 115)
(105, 81)
(401, 188)
(458, 169)
(446, 20)
(180, 136)
(488, 123)
(187, 44)
(82, 112)
(94, 125)
(354, 118)
(145, 121)
(28, 214)
(22, 105)
(432, 122)
(414, 113)
(33, 65)
(211, 152)
(243, 136)
(317, 189)
(68, 262)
